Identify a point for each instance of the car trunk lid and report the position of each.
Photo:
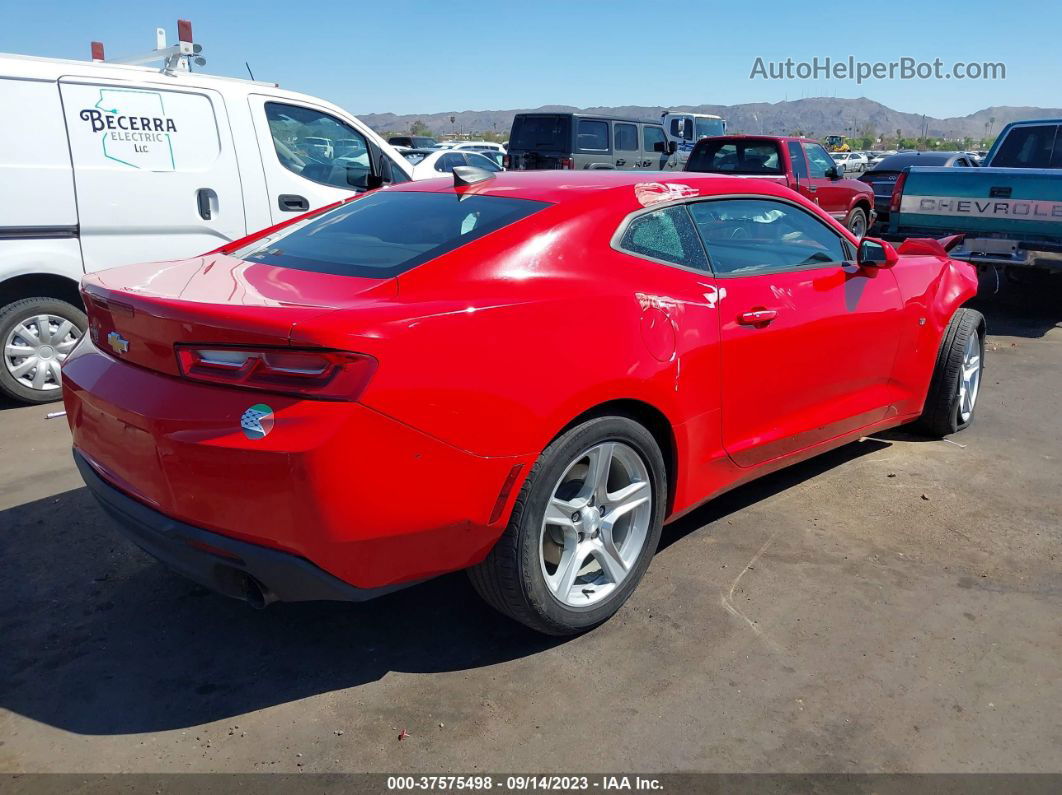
(214, 299)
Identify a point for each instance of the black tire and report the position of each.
(857, 219)
(510, 579)
(941, 415)
(26, 309)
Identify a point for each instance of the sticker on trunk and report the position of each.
(257, 421)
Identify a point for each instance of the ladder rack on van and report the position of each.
(175, 56)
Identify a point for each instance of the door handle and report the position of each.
(206, 200)
(757, 317)
(292, 203)
(812, 189)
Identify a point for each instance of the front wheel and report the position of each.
(956, 382)
(856, 222)
(37, 334)
(583, 530)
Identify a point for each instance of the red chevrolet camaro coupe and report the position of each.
(523, 375)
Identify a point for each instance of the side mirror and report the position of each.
(833, 172)
(660, 146)
(874, 253)
(672, 147)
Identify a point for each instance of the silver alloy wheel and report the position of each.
(595, 524)
(859, 226)
(36, 347)
(969, 377)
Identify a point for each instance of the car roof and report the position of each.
(903, 159)
(559, 187)
(596, 116)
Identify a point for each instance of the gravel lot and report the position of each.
(891, 606)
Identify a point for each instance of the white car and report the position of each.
(433, 163)
(879, 156)
(850, 161)
(474, 146)
(111, 164)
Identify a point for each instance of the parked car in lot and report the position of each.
(575, 141)
(434, 163)
(412, 141)
(878, 157)
(1009, 210)
(525, 375)
(850, 161)
(882, 178)
(473, 146)
(798, 163)
(110, 164)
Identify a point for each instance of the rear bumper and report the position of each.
(249, 572)
(992, 251)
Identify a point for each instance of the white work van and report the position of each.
(685, 128)
(105, 164)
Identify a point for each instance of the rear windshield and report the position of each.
(541, 132)
(735, 157)
(1028, 147)
(386, 233)
(900, 162)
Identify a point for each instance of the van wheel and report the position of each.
(37, 335)
(583, 530)
(956, 379)
(856, 222)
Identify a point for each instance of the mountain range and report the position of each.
(814, 117)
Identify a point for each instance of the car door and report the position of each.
(654, 149)
(808, 338)
(155, 171)
(312, 157)
(625, 144)
(830, 194)
(799, 166)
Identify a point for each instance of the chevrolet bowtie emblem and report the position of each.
(118, 343)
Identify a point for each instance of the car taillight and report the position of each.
(897, 193)
(506, 161)
(567, 163)
(326, 375)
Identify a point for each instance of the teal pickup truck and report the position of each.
(1009, 212)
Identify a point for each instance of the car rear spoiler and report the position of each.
(935, 247)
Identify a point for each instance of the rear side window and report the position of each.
(626, 137)
(666, 234)
(592, 135)
(387, 233)
(1027, 147)
(736, 157)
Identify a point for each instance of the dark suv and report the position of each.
(579, 140)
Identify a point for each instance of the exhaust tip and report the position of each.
(256, 594)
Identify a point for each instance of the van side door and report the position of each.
(154, 168)
(312, 157)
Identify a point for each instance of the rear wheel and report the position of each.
(583, 530)
(956, 380)
(37, 335)
(856, 222)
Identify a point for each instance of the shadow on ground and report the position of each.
(99, 639)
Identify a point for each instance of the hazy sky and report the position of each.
(424, 57)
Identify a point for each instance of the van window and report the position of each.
(592, 136)
(386, 233)
(626, 137)
(318, 146)
(651, 135)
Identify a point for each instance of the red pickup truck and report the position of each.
(798, 163)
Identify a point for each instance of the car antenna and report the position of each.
(464, 176)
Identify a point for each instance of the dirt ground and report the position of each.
(893, 606)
